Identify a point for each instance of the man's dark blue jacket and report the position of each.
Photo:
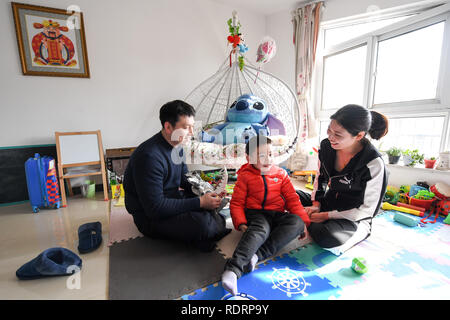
(152, 181)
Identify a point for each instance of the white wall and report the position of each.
(142, 53)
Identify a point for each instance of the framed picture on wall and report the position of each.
(51, 41)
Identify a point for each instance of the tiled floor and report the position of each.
(24, 235)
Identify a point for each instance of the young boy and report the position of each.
(262, 193)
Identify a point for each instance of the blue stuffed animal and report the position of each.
(246, 117)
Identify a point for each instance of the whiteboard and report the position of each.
(79, 148)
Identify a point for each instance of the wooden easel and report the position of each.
(77, 149)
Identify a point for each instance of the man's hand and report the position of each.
(210, 201)
(223, 194)
(243, 227)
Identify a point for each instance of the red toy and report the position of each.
(441, 205)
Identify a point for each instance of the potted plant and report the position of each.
(430, 162)
(394, 155)
(412, 157)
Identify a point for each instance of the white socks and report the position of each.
(229, 278)
(253, 262)
(229, 282)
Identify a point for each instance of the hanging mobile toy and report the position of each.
(235, 38)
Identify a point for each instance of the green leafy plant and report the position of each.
(413, 157)
(394, 152)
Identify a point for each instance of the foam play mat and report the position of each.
(401, 263)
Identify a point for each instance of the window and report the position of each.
(343, 81)
(399, 65)
(335, 36)
(422, 133)
(408, 65)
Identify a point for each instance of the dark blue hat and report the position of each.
(51, 262)
(89, 236)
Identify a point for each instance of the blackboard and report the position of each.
(13, 183)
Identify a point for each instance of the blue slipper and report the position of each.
(89, 236)
(51, 262)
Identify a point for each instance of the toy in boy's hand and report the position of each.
(246, 117)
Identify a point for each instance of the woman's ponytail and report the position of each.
(379, 127)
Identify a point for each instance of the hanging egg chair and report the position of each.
(213, 97)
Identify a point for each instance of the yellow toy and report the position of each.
(403, 198)
(310, 174)
(388, 206)
(119, 194)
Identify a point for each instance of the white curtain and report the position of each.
(306, 22)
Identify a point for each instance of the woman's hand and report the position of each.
(319, 217)
(312, 209)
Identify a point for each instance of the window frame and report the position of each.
(423, 15)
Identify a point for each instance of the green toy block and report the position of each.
(359, 265)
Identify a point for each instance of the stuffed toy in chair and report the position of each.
(246, 117)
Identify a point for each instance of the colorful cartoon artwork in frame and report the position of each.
(51, 41)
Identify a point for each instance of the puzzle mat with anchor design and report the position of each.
(403, 263)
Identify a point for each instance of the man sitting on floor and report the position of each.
(152, 184)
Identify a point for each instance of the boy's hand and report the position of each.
(243, 227)
(210, 201)
(305, 234)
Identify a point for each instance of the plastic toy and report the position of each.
(410, 206)
(246, 117)
(447, 220)
(423, 195)
(359, 265)
(404, 188)
(388, 206)
(405, 219)
(392, 194)
(403, 198)
(438, 207)
(229, 188)
(414, 189)
(441, 190)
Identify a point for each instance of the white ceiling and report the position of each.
(266, 7)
